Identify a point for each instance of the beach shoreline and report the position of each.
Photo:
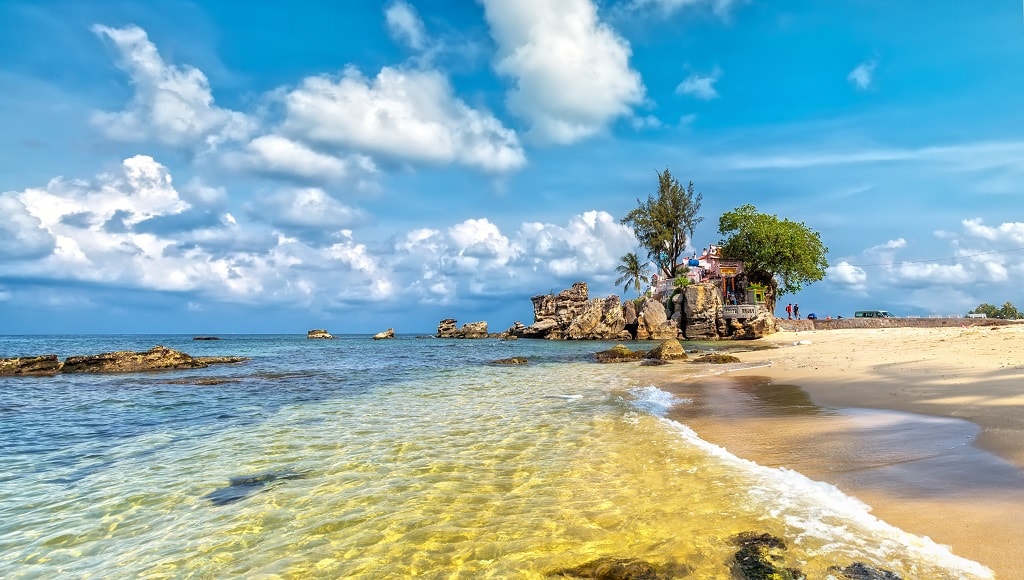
(925, 425)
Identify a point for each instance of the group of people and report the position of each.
(792, 311)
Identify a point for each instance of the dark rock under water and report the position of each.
(239, 488)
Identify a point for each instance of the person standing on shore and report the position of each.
(796, 311)
(789, 311)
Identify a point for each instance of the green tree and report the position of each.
(663, 224)
(1008, 311)
(633, 273)
(780, 254)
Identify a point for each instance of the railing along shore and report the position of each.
(838, 323)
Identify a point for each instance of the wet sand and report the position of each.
(924, 425)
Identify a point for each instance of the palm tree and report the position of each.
(633, 272)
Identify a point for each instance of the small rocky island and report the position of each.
(696, 312)
(158, 358)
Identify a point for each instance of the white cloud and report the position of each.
(171, 105)
(404, 25)
(1012, 232)
(306, 208)
(274, 154)
(721, 7)
(571, 71)
(862, 76)
(700, 86)
(403, 114)
(847, 274)
(22, 235)
(890, 245)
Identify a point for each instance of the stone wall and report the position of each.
(798, 325)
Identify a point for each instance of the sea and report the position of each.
(408, 458)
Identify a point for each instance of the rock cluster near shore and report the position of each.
(694, 312)
(157, 358)
(319, 333)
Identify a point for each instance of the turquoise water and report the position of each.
(391, 459)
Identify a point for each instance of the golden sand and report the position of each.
(836, 405)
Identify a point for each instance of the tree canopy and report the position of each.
(781, 254)
(1007, 312)
(663, 224)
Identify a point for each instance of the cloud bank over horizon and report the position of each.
(445, 161)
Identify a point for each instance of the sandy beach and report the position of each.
(925, 425)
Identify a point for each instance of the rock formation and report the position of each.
(448, 328)
(619, 353)
(47, 364)
(701, 316)
(386, 335)
(319, 333)
(653, 322)
(670, 349)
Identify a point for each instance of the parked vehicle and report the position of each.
(873, 314)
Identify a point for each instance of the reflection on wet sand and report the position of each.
(919, 472)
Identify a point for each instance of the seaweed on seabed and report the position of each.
(608, 568)
(761, 557)
(239, 488)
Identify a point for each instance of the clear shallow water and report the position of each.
(391, 459)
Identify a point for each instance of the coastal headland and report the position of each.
(924, 424)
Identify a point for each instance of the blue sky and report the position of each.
(208, 167)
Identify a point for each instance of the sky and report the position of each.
(214, 167)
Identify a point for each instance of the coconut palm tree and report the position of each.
(633, 273)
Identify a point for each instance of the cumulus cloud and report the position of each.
(172, 104)
(404, 25)
(862, 76)
(277, 155)
(847, 274)
(400, 114)
(700, 86)
(570, 70)
(308, 208)
(22, 235)
(1006, 232)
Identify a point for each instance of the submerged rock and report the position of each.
(47, 364)
(516, 360)
(203, 382)
(386, 335)
(761, 557)
(619, 353)
(861, 571)
(239, 488)
(205, 338)
(609, 568)
(221, 360)
(319, 333)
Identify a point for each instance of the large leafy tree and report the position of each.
(663, 224)
(1008, 311)
(781, 254)
(633, 273)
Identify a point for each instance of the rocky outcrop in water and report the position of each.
(762, 557)
(386, 335)
(158, 358)
(448, 328)
(668, 350)
(618, 354)
(319, 333)
(47, 364)
(572, 315)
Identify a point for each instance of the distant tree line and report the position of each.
(1007, 312)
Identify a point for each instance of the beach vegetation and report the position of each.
(1007, 312)
(632, 272)
(664, 223)
(782, 255)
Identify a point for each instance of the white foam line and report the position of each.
(805, 504)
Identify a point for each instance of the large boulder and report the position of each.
(386, 335)
(318, 333)
(448, 328)
(670, 349)
(126, 361)
(757, 327)
(600, 319)
(653, 322)
(702, 312)
(553, 314)
(47, 364)
(762, 557)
